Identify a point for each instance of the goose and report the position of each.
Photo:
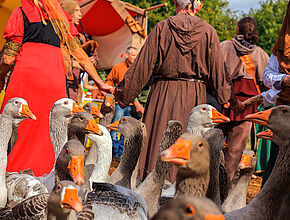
(61, 113)
(90, 148)
(101, 165)
(56, 205)
(151, 187)
(189, 208)
(132, 131)
(22, 186)
(267, 204)
(107, 110)
(239, 189)
(110, 201)
(203, 118)
(15, 111)
(70, 162)
(191, 154)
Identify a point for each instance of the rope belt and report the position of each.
(163, 78)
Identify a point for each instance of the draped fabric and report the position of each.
(38, 77)
(281, 47)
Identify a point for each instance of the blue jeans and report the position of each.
(118, 145)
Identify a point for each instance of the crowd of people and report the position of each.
(180, 61)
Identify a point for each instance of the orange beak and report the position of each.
(214, 217)
(96, 112)
(25, 112)
(109, 101)
(245, 162)
(114, 126)
(268, 134)
(93, 128)
(261, 118)
(178, 153)
(76, 108)
(218, 117)
(71, 200)
(76, 167)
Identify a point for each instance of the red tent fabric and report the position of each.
(102, 21)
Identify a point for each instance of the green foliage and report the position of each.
(215, 12)
(218, 15)
(269, 17)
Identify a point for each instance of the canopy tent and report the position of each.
(109, 22)
(6, 8)
(114, 24)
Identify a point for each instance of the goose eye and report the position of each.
(200, 144)
(16, 102)
(189, 210)
(203, 109)
(284, 110)
(123, 119)
(59, 187)
(67, 150)
(66, 102)
(81, 118)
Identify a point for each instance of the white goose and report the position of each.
(14, 112)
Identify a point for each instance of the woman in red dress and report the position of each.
(35, 33)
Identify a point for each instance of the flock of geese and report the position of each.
(79, 186)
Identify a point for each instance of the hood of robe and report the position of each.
(187, 30)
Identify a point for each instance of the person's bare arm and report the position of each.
(88, 86)
(87, 66)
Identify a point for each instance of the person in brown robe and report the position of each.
(183, 54)
(245, 63)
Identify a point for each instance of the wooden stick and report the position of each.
(156, 6)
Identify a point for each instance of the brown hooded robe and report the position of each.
(178, 48)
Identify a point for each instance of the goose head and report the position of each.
(71, 161)
(190, 153)
(204, 117)
(189, 208)
(18, 110)
(108, 104)
(94, 109)
(65, 107)
(127, 126)
(63, 199)
(277, 120)
(83, 124)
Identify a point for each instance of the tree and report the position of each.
(215, 12)
(269, 18)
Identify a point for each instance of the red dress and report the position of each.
(39, 78)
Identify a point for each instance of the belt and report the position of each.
(157, 78)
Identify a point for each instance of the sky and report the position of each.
(243, 5)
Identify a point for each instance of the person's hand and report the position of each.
(106, 88)
(286, 81)
(238, 108)
(250, 101)
(139, 107)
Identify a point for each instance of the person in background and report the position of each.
(39, 75)
(277, 78)
(244, 65)
(183, 54)
(73, 88)
(115, 76)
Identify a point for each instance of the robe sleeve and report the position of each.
(14, 33)
(218, 81)
(140, 72)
